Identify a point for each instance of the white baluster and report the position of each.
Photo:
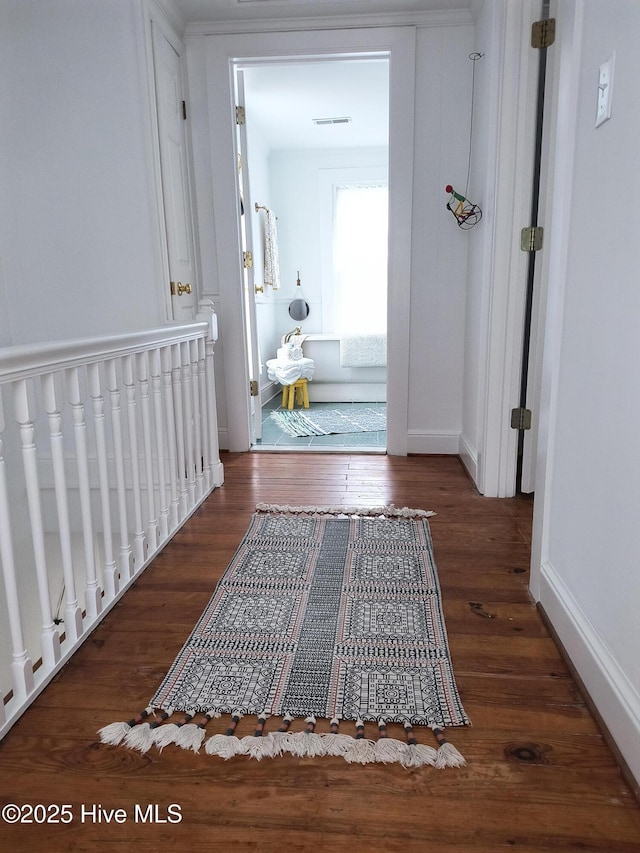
(125, 558)
(73, 611)
(92, 592)
(50, 641)
(197, 419)
(161, 446)
(142, 363)
(207, 314)
(178, 416)
(187, 401)
(95, 392)
(212, 441)
(21, 666)
(202, 386)
(139, 552)
(170, 424)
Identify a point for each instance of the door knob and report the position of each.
(178, 288)
(259, 289)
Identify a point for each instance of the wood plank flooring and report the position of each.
(539, 775)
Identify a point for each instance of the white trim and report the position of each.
(347, 392)
(26, 360)
(447, 443)
(469, 457)
(511, 204)
(219, 54)
(567, 72)
(436, 18)
(617, 700)
(163, 17)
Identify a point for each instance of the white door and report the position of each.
(246, 231)
(175, 184)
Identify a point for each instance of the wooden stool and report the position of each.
(297, 389)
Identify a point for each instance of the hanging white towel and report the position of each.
(363, 351)
(271, 253)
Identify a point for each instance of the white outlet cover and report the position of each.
(605, 91)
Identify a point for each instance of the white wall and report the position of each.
(482, 192)
(301, 196)
(78, 228)
(439, 253)
(585, 566)
(437, 259)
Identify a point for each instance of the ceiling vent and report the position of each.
(342, 120)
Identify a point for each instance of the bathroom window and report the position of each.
(360, 235)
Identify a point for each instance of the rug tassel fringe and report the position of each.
(257, 745)
(307, 742)
(226, 745)
(141, 737)
(334, 742)
(388, 510)
(388, 750)
(363, 750)
(280, 738)
(167, 734)
(417, 754)
(447, 755)
(115, 733)
(192, 735)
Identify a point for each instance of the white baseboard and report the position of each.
(615, 697)
(223, 438)
(469, 457)
(447, 443)
(347, 392)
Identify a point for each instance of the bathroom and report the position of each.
(314, 164)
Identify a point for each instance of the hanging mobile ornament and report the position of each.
(465, 212)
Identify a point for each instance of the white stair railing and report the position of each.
(107, 446)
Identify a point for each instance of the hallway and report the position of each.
(539, 776)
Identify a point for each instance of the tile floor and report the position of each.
(274, 437)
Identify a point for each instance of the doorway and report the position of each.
(215, 152)
(313, 175)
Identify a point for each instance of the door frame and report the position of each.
(156, 17)
(221, 52)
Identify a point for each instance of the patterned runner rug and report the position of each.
(333, 614)
(300, 423)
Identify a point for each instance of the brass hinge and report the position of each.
(184, 110)
(247, 260)
(521, 418)
(240, 115)
(531, 238)
(253, 387)
(543, 33)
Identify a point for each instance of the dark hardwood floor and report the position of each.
(539, 776)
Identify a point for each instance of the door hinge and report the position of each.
(521, 418)
(184, 110)
(543, 33)
(253, 387)
(247, 260)
(531, 238)
(240, 115)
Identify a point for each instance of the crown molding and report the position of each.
(456, 18)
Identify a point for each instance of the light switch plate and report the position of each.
(605, 90)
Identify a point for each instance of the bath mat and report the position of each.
(326, 614)
(300, 423)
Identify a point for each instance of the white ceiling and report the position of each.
(282, 101)
(243, 10)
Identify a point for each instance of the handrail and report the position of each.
(107, 446)
(24, 360)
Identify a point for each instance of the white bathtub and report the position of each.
(334, 383)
